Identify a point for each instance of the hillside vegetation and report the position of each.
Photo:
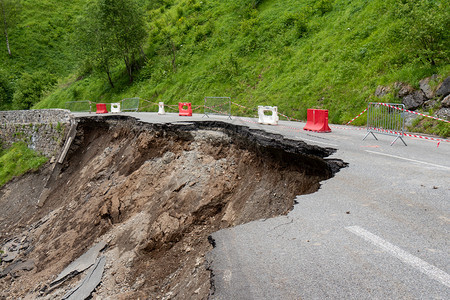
(296, 54)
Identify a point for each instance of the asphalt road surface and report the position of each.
(378, 230)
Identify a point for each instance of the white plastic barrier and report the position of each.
(268, 119)
(161, 110)
(115, 107)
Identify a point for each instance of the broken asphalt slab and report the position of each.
(80, 264)
(84, 289)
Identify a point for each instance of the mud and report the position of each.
(154, 193)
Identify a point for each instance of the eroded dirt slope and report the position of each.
(153, 193)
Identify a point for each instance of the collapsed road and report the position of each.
(130, 212)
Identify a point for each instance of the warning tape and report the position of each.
(357, 117)
(243, 106)
(413, 112)
(289, 118)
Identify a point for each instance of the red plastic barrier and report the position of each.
(317, 120)
(101, 108)
(185, 112)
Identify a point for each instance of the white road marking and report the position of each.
(404, 256)
(409, 159)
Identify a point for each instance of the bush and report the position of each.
(31, 87)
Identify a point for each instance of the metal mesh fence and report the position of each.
(386, 118)
(79, 106)
(130, 104)
(217, 106)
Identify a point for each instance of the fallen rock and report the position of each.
(425, 86)
(414, 100)
(443, 89)
(14, 268)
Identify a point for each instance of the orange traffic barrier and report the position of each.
(101, 108)
(187, 112)
(317, 120)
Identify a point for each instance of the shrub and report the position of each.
(31, 87)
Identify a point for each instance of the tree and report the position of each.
(9, 10)
(112, 30)
(93, 42)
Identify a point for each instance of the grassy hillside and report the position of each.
(17, 160)
(296, 54)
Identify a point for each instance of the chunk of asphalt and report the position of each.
(84, 289)
(17, 266)
(80, 264)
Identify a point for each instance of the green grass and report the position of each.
(17, 160)
(295, 54)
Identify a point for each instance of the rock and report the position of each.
(409, 119)
(404, 89)
(443, 89)
(414, 100)
(446, 101)
(426, 88)
(443, 113)
(14, 268)
(10, 256)
(382, 91)
(429, 104)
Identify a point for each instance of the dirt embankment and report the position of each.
(153, 193)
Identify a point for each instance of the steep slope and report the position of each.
(295, 54)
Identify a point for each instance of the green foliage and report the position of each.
(110, 30)
(30, 88)
(295, 54)
(425, 29)
(9, 10)
(6, 91)
(17, 160)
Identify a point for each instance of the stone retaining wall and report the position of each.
(42, 130)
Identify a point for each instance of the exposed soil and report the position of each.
(154, 193)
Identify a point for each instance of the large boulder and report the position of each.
(414, 100)
(443, 89)
(426, 88)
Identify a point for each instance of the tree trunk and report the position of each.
(129, 67)
(5, 27)
(108, 73)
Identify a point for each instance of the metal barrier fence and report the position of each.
(217, 106)
(386, 118)
(130, 104)
(79, 106)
